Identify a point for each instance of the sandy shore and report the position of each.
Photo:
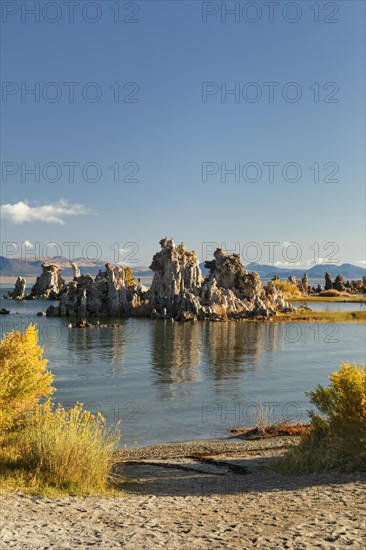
(205, 495)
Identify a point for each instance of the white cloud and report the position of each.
(361, 262)
(320, 261)
(21, 212)
(28, 244)
(287, 264)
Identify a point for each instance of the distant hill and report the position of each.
(266, 272)
(318, 271)
(16, 267)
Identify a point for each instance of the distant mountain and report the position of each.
(348, 271)
(16, 267)
(266, 272)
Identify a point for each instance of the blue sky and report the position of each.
(169, 132)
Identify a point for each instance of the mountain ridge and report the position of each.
(16, 267)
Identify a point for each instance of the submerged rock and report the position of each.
(85, 324)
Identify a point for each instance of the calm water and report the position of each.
(170, 381)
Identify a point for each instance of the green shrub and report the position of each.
(337, 438)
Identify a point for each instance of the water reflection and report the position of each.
(233, 348)
(175, 352)
(105, 344)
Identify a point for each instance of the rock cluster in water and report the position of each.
(179, 290)
(106, 295)
(340, 284)
(49, 285)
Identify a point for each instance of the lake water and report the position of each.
(173, 382)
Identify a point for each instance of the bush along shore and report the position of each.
(337, 436)
(43, 447)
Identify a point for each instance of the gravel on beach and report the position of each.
(185, 505)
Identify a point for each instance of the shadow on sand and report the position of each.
(260, 477)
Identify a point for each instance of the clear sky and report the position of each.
(175, 135)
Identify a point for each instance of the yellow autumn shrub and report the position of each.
(24, 378)
(43, 447)
(338, 435)
(130, 277)
(344, 402)
(288, 289)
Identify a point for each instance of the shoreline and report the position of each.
(183, 449)
(203, 494)
(297, 317)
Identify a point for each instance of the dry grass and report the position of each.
(274, 430)
(16, 476)
(339, 298)
(332, 293)
(323, 317)
(264, 426)
(288, 290)
(69, 449)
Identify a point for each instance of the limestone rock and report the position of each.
(108, 295)
(49, 284)
(328, 282)
(75, 270)
(176, 270)
(305, 283)
(19, 290)
(339, 283)
(356, 287)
